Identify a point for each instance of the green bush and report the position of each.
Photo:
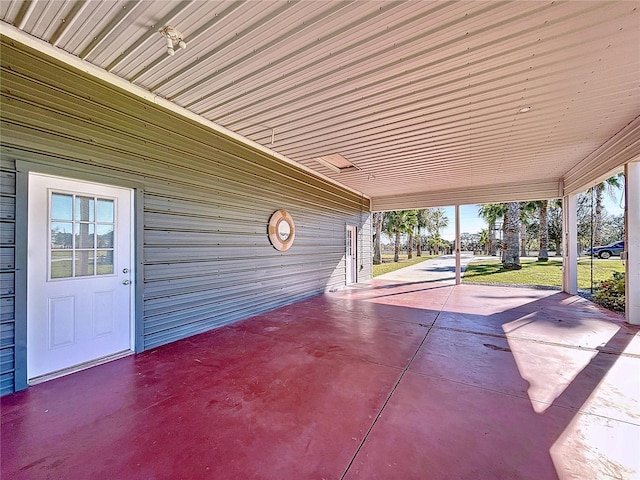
(611, 293)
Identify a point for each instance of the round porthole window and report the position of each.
(282, 230)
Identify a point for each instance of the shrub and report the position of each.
(611, 293)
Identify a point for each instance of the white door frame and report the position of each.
(134, 337)
(351, 256)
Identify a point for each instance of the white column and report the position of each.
(632, 241)
(569, 244)
(458, 269)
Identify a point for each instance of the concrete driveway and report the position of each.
(439, 269)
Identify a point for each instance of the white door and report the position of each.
(350, 257)
(79, 273)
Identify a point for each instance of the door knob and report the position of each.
(126, 282)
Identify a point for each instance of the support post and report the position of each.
(569, 244)
(632, 242)
(458, 268)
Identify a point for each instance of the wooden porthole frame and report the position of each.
(282, 230)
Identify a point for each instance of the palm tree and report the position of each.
(554, 224)
(610, 185)
(410, 243)
(490, 213)
(378, 218)
(511, 257)
(391, 226)
(529, 216)
(436, 243)
(396, 223)
(389, 223)
(422, 218)
(409, 228)
(523, 231)
(483, 239)
(436, 220)
(439, 219)
(543, 234)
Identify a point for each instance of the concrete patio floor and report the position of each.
(392, 380)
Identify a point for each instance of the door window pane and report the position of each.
(82, 237)
(105, 262)
(105, 236)
(105, 211)
(84, 263)
(61, 264)
(85, 207)
(61, 235)
(61, 206)
(85, 235)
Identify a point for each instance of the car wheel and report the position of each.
(604, 254)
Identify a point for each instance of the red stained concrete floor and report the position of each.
(390, 381)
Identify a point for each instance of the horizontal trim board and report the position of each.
(471, 195)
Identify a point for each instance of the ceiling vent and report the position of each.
(337, 163)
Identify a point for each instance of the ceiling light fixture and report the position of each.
(525, 109)
(174, 38)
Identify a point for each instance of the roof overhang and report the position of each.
(427, 99)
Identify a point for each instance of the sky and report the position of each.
(469, 221)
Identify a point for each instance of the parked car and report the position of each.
(606, 251)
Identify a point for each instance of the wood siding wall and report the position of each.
(207, 201)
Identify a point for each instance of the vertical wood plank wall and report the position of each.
(207, 201)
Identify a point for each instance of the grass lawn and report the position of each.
(540, 273)
(388, 265)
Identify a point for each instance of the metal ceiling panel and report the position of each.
(202, 18)
(127, 24)
(421, 96)
(268, 62)
(247, 20)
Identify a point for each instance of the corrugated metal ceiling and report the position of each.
(422, 96)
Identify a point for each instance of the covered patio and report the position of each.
(197, 123)
(381, 380)
(326, 111)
